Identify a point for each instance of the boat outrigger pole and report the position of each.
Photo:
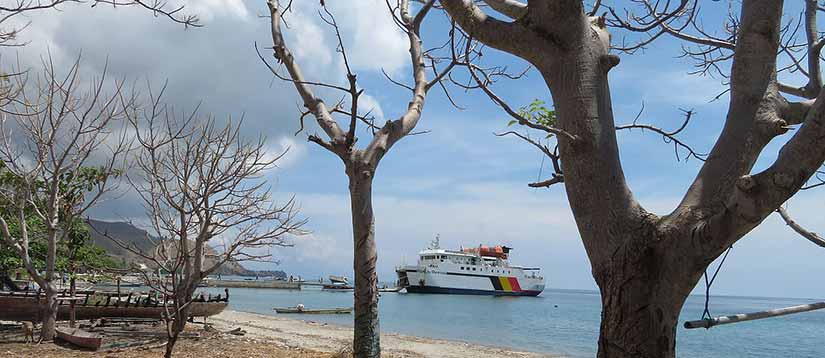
(742, 317)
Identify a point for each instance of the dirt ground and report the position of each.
(199, 343)
(214, 347)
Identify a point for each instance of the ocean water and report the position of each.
(562, 322)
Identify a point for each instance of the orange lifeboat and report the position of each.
(501, 252)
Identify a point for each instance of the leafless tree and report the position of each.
(59, 148)
(645, 264)
(203, 189)
(361, 164)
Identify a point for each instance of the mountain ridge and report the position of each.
(102, 232)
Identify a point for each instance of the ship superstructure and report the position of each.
(480, 270)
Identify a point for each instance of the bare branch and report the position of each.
(811, 236)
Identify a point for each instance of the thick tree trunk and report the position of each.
(366, 342)
(49, 318)
(642, 295)
(644, 328)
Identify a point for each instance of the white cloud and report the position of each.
(371, 38)
(207, 10)
(289, 150)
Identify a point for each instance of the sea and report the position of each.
(558, 322)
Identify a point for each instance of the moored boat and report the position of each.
(342, 310)
(390, 289)
(338, 280)
(474, 271)
(80, 337)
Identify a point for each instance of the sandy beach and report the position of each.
(325, 337)
(261, 336)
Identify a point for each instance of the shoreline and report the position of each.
(327, 337)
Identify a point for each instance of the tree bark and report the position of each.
(49, 317)
(643, 291)
(634, 326)
(182, 297)
(366, 342)
(178, 325)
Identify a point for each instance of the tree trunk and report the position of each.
(642, 297)
(366, 342)
(182, 297)
(49, 318)
(649, 332)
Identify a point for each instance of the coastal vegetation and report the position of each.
(51, 177)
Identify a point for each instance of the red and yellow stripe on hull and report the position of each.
(506, 284)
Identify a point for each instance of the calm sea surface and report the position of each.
(559, 321)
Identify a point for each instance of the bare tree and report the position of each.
(203, 189)
(646, 265)
(59, 149)
(361, 164)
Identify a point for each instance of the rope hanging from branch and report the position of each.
(709, 321)
(709, 282)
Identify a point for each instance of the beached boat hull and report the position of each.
(80, 337)
(28, 308)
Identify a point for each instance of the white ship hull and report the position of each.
(512, 282)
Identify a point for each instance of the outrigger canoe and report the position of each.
(344, 310)
(27, 306)
(80, 337)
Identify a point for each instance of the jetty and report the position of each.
(273, 284)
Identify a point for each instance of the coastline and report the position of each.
(325, 337)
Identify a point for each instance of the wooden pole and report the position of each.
(72, 303)
(742, 317)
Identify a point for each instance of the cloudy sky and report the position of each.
(459, 180)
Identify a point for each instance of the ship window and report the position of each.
(474, 268)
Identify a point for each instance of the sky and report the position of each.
(459, 180)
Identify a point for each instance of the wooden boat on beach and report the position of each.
(27, 306)
(80, 337)
(343, 310)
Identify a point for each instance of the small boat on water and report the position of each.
(390, 289)
(80, 337)
(343, 310)
(338, 287)
(338, 280)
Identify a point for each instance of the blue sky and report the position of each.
(459, 180)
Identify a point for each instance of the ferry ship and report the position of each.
(481, 270)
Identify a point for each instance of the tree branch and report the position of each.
(811, 236)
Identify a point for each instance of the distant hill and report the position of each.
(140, 239)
